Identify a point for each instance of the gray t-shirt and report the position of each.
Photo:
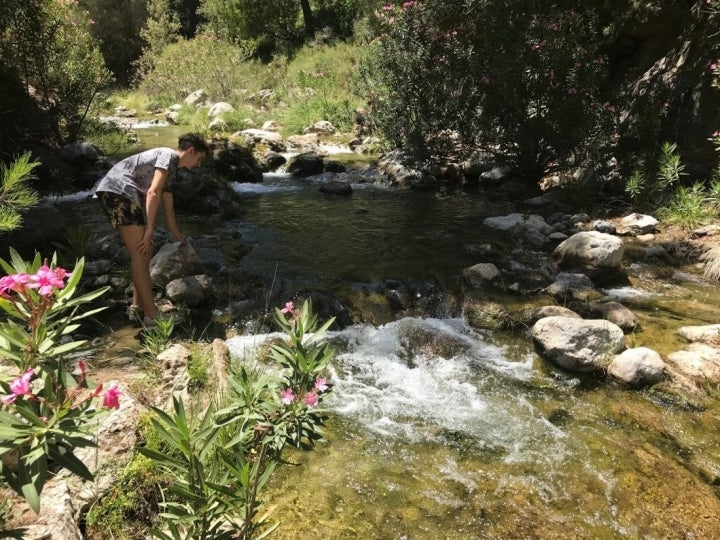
(133, 176)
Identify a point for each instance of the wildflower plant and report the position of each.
(304, 357)
(220, 461)
(47, 410)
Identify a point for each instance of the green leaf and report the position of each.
(64, 348)
(65, 458)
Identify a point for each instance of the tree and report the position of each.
(116, 27)
(47, 43)
(270, 25)
(161, 29)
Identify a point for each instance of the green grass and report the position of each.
(316, 84)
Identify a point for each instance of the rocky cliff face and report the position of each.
(660, 55)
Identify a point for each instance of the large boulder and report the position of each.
(596, 253)
(173, 261)
(609, 310)
(236, 163)
(577, 344)
(80, 153)
(699, 362)
(189, 290)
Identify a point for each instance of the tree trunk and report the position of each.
(308, 17)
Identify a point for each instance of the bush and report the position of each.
(520, 80)
(218, 67)
(49, 45)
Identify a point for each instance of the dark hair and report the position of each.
(194, 140)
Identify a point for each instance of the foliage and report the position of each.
(650, 183)
(219, 462)
(205, 62)
(339, 16)
(522, 80)
(198, 369)
(116, 28)
(319, 84)
(266, 25)
(688, 207)
(160, 30)
(156, 337)
(49, 45)
(16, 195)
(47, 411)
(77, 239)
(657, 187)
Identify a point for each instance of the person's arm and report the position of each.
(152, 204)
(170, 221)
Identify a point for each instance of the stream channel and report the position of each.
(440, 431)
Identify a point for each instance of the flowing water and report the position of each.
(438, 431)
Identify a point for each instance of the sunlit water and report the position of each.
(438, 431)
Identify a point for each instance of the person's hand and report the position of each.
(145, 244)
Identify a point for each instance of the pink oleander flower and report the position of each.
(13, 282)
(287, 396)
(19, 387)
(288, 308)
(47, 279)
(111, 398)
(311, 399)
(388, 7)
(321, 384)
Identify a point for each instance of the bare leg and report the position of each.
(139, 269)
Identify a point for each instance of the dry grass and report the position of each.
(711, 258)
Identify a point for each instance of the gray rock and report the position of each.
(173, 261)
(636, 224)
(604, 227)
(638, 367)
(591, 248)
(705, 333)
(577, 344)
(568, 286)
(480, 275)
(198, 97)
(220, 108)
(699, 362)
(189, 290)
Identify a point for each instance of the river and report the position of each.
(438, 431)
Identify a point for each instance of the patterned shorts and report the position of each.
(121, 210)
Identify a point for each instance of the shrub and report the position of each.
(218, 67)
(49, 44)
(47, 412)
(520, 79)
